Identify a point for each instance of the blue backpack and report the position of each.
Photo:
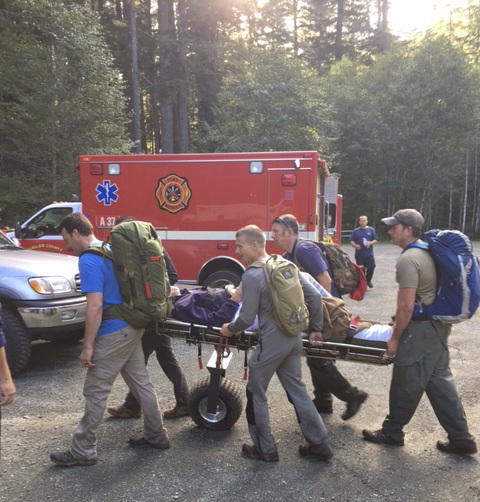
(458, 277)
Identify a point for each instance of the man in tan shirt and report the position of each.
(422, 361)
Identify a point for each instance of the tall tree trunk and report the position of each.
(135, 90)
(382, 24)
(150, 70)
(450, 205)
(465, 198)
(118, 9)
(295, 28)
(165, 46)
(182, 78)
(338, 49)
(53, 126)
(475, 188)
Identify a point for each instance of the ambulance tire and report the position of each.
(19, 343)
(229, 407)
(222, 278)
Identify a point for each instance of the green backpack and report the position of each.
(290, 313)
(137, 255)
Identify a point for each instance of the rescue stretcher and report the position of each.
(196, 334)
(215, 402)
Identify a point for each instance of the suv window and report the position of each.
(46, 223)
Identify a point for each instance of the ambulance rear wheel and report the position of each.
(221, 278)
(229, 406)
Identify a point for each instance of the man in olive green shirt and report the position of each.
(422, 362)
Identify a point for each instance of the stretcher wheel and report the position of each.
(229, 407)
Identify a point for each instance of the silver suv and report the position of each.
(40, 297)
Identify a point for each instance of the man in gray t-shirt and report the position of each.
(276, 353)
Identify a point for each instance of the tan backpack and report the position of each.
(336, 318)
(290, 313)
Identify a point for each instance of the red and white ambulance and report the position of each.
(197, 202)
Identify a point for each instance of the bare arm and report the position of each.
(403, 315)
(355, 245)
(93, 319)
(250, 305)
(7, 387)
(325, 280)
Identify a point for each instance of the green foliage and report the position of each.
(401, 132)
(60, 97)
(331, 30)
(402, 129)
(273, 104)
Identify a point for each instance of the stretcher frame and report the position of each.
(197, 334)
(215, 403)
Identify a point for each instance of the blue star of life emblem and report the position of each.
(106, 192)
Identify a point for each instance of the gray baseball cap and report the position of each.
(408, 217)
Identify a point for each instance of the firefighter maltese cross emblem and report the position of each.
(173, 193)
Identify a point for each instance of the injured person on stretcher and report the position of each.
(216, 306)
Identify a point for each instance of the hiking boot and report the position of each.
(353, 405)
(251, 451)
(380, 437)
(466, 447)
(144, 443)
(323, 407)
(121, 411)
(180, 410)
(308, 451)
(66, 459)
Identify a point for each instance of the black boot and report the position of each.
(354, 403)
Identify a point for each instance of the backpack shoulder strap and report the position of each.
(257, 264)
(418, 245)
(99, 250)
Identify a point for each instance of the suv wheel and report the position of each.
(19, 347)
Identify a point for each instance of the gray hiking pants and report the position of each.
(280, 354)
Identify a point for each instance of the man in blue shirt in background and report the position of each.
(110, 347)
(362, 239)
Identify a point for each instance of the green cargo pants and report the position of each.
(422, 365)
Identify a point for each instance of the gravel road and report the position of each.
(207, 466)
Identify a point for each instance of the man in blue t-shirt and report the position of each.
(326, 378)
(110, 347)
(362, 239)
(161, 344)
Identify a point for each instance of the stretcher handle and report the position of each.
(220, 349)
(199, 356)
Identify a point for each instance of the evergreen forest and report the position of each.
(396, 118)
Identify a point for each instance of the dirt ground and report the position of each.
(207, 466)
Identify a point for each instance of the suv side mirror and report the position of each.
(18, 230)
